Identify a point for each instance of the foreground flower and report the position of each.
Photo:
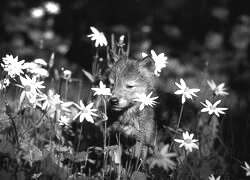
(217, 90)
(98, 37)
(12, 66)
(85, 112)
(31, 84)
(52, 7)
(160, 61)
(145, 100)
(186, 92)
(31, 88)
(247, 168)
(102, 90)
(212, 108)
(188, 142)
(213, 178)
(162, 159)
(64, 121)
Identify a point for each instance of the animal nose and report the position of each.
(114, 101)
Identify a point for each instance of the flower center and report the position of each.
(27, 88)
(216, 90)
(186, 89)
(58, 106)
(188, 141)
(85, 111)
(213, 108)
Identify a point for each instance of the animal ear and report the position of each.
(147, 63)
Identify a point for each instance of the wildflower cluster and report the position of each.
(187, 93)
(28, 76)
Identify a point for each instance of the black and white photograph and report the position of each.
(124, 89)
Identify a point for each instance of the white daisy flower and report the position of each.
(85, 112)
(247, 168)
(12, 66)
(186, 92)
(160, 61)
(102, 90)
(213, 178)
(217, 90)
(188, 142)
(31, 88)
(64, 121)
(212, 108)
(145, 100)
(32, 84)
(98, 37)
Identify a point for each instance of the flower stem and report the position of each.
(79, 92)
(15, 129)
(209, 119)
(179, 120)
(66, 90)
(94, 66)
(79, 139)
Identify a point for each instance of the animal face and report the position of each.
(128, 77)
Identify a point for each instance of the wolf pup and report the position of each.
(126, 78)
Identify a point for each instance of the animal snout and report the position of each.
(114, 101)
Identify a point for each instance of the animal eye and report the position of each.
(129, 86)
(111, 85)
